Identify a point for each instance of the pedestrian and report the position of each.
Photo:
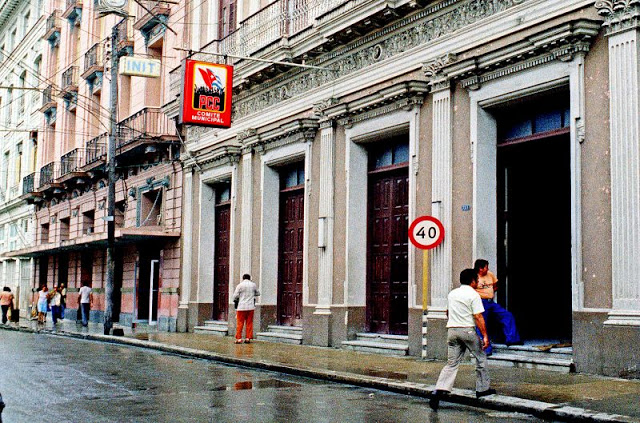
(245, 296)
(494, 312)
(86, 299)
(43, 303)
(464, 312)
(55, 301)
(6, 303)
(63, 300)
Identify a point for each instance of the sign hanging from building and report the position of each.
(137, 66)
(206, 94)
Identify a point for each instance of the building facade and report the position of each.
(21, 29)
(513, 121)
(70, 185)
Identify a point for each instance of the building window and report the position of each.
(18, 166)
(88, 222)
(390, 154)
(44, 233)
(151, 208)
(121, 207)
(293, 176)
(227, 20)
(64, 229)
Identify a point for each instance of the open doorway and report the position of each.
(148, 285)
(534, 217)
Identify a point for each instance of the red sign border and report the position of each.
(422, 219)
(187, 109)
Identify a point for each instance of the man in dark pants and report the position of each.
(494, 312)
(464, 312)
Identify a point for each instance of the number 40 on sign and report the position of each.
(426, 232)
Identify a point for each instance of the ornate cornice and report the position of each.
(424, 27)
(404, 95)
(562, 42)
(620, 15)
(221, 156)
(299, 130)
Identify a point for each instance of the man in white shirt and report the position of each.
(86, 298)
(465, 313)
(245, 296)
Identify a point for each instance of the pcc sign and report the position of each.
(206, 94)
(426, 232)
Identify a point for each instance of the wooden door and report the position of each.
(221, 262)
(291, 246)
(387, 275)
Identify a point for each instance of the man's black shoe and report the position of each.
(434, 401)
(480, 394)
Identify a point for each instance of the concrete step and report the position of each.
(531, 351)
(282, 337)
(291, 330)
(213, 327)
(383, 338)
(540, 363)
(377, 347)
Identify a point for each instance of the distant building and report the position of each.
(69, 187)
(21, 29)
(515, 122)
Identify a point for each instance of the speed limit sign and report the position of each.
(426, 232)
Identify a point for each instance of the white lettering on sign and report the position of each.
(137, 66)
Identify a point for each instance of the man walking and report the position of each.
(245, 296)
(464, 313)
(86, 298)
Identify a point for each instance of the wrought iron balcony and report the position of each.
(124, 38)
(47, 174)
(28, 183)
(152, 15)
(71, 162)
(48, 101)
(69, 81)
(93, 62)
(52, 28)
(96, 149)
(148, 123)
(73, 10)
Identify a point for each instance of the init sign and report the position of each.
(426, 232)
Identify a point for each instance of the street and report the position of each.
(50, 378)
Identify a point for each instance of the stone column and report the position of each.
(441, 197)
(182, 324)
(622, 30)
(246, 220)
(322, 313)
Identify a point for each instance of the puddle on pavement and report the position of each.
(258, 384)
(386, 374)
(141, 336)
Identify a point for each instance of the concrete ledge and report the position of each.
(460, 396)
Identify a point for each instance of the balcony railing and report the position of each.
(74, 3)
(96, 149)
(52, 27)
(70, 79)
(147, 123)
(47, 98)
(282, 18)
(72, 10)
(47, 173)
(71, 162)
(93, 57)
(124, 38)
(29, 183)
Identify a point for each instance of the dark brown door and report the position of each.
(387, 287)
(290, 263)
(221, 262)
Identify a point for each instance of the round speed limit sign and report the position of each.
(426, 232)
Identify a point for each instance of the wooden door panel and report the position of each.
(221, 262)
(290, 267)
(387, 275)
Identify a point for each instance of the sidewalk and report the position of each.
(573, 397)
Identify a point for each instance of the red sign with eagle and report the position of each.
(206, 95)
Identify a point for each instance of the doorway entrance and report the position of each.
(388, 250)
(291, 245)
(221, 252)
(534, 220)
(148, 285)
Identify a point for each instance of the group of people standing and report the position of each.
(56, 301)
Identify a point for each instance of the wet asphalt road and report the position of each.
(53, 379)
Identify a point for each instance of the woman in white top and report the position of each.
(42, 304)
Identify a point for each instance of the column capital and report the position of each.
(432, 69)
(620, 15)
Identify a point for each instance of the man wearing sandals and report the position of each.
(245, 294)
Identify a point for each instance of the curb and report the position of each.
(539, 409)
